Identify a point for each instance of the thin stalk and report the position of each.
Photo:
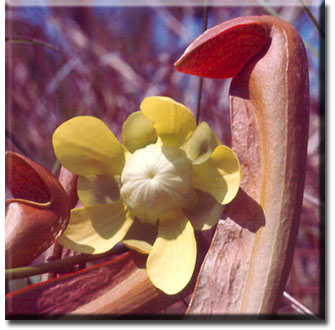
(266, 7)
(57, 265)
(52, 254)
(199, 99)
(204, 28)
(17, 143)
(33, 42)
(312, 17)
(55, 167)
(300, 308)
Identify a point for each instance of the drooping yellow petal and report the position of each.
(98, 189)
(141, 236)
(172, 121)
(97, 229)
(171, 261)
(86, 146)
(137, 132)
(220, 175)
(201, 144)
(206, 213)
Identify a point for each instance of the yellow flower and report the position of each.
(167, 178)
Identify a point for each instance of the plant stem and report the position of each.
(198, 100)
(17, 143)
(204, 28)
(312, 17)
(266, 7)
(299, 307)
(61, 264)
(33, 42)
(52, 254)
(55, 167)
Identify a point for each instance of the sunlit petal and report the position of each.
(172, 121)
(141, 236)
(201, 144)
(86, 146)
(220, 175)
(97, 229)
(98, 189)
(171, 261)
(137, 132)
(206, 213)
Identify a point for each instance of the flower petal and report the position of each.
(171, 261)
(206, 213)
(97, 229)
(98, 189)
(137, 132)
(220, 175)
(86, 146)
(172, 121)
(201, 144)
(141, 236)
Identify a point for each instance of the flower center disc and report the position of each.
(156, 179)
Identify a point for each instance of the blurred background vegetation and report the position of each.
(103, 61)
